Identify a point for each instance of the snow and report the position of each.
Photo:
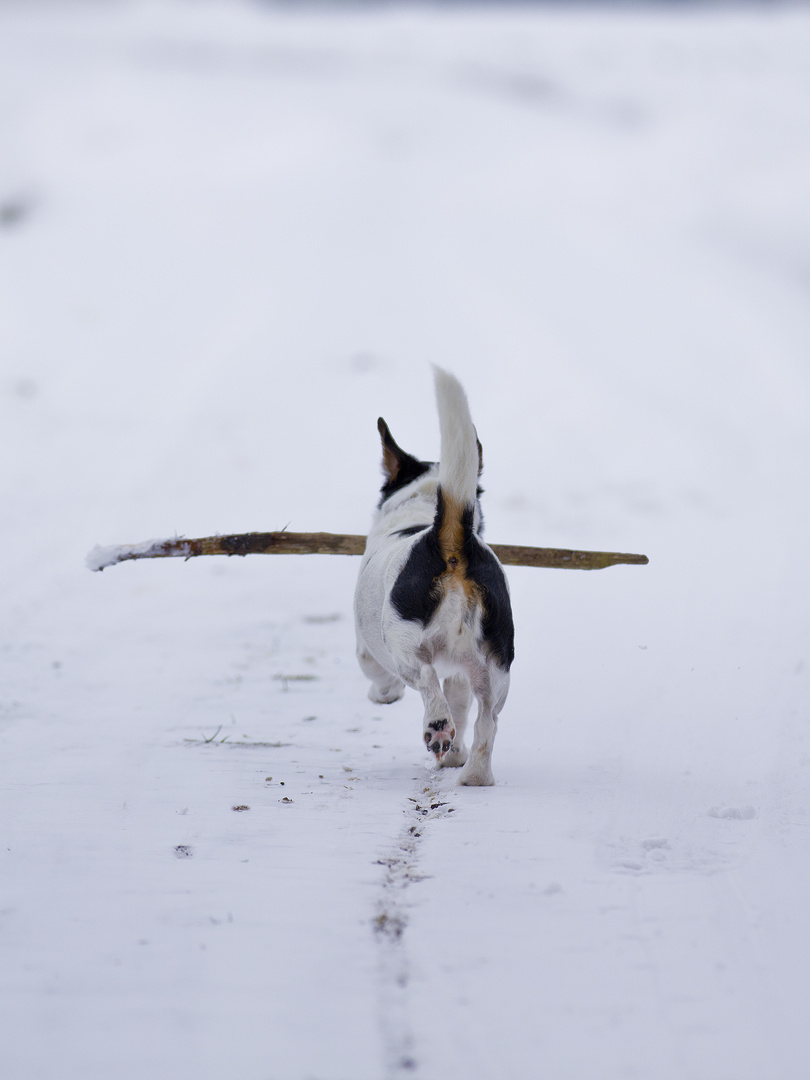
(101, 556)
(232, 236)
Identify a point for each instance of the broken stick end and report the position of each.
(101, 557)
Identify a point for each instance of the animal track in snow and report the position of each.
(656, 843)
(657, 855)
(733, 813)
(390, 926)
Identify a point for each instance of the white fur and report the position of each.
(458, 471)
(395, 652)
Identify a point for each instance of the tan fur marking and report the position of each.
(451, 540)
(451, 534)
(390, 463)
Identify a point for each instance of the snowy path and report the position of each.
(231, 237)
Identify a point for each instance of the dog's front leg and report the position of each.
(438, 727)
(385, 687)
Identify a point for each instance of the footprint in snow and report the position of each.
(733, 813)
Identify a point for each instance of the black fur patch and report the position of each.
(415, 594)
(411, 530)
(498, 628)
(484, 569)
(410, 469)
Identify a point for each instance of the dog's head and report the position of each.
(399, 468)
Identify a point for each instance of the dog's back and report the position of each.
(432, 600)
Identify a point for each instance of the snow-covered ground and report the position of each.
(231, 236)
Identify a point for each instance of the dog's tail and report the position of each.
(459, 468)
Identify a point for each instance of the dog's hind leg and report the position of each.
(458, 694)
(491, 691)
(385, 687)
(438, 726)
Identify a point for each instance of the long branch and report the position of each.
(286, 543)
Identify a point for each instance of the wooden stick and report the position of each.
(286, 543)
(563, 559)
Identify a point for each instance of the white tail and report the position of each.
(459, 459)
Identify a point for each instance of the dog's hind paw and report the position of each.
(439, 735)
(476, 777)
(454, 758)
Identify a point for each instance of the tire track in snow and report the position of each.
(391, 924)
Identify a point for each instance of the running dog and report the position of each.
(432, 600)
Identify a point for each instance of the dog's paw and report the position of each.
(454, 758)
(439, 735)
(476, 777)
(386, 695)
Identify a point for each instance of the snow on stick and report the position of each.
(287, 543)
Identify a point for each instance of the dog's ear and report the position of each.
(480, 454)
(394, 459)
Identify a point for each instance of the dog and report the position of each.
(432, 600)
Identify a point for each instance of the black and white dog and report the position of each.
(432, 600)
